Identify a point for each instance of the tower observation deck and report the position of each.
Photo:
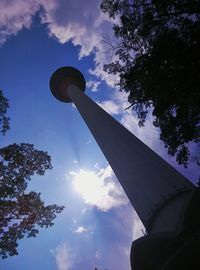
(159, 193)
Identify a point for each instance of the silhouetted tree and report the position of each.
(4, 120)
(158, 63)
(21, 212)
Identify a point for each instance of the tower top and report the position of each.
(64, 77)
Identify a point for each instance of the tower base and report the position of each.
(171, 251)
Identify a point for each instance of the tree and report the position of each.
(4, 120)
(158, 63)
(21, 212)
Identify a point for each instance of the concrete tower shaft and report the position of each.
(146, 178)
(150, 183)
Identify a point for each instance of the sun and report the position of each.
(89, 185)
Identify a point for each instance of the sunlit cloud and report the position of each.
(80, 229)
(63, 256)
(99, 189)
(110, 106)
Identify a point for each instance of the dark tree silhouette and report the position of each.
(4, 120)
(158, 63)
(21, 212)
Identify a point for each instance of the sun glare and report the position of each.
(89, 185)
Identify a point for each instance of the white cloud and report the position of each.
(117, 103)
(87, 27)
(76, 21)
(100, 189)
(80, 229)
(109, 106)
(15, 15)
(147, 134)
(93, 85)
(138, 227)
(105, 173)
(63, 257)
(102, 56)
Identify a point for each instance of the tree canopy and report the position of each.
(158, 63)
(21, 212)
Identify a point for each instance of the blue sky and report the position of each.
(36, 38)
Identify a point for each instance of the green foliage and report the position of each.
(21, 212)
(158, 63)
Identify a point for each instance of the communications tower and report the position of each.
(162, 197)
